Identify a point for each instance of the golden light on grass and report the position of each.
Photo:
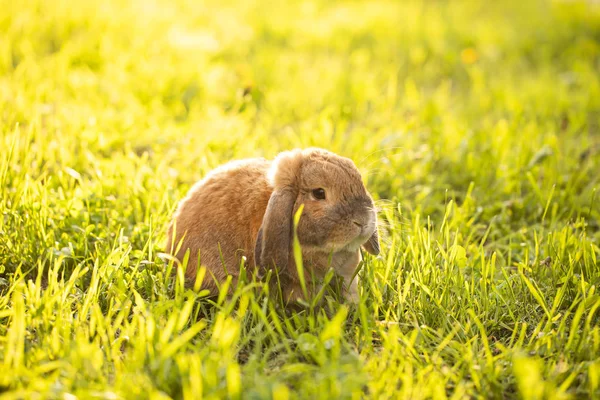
(476, 127)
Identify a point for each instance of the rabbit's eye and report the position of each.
(319, 194)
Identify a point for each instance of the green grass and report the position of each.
(477, 128)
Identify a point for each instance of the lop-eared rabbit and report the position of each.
(246, 209)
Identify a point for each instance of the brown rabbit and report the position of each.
(246, 208)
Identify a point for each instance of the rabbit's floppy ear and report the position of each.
(372, 245)
(274, 237)
(275, 234)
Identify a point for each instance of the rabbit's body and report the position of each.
(235, 194)
(245, 209)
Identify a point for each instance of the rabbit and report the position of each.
(246, 209)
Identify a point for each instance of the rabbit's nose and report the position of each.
(360, 225)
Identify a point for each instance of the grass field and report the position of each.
(476, 126)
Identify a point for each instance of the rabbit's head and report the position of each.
(338, 214)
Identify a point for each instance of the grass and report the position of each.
(477, 128)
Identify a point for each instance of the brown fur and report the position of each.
(246, 208)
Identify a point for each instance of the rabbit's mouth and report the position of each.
(363, 235)
(365, 229)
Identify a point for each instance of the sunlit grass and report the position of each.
(476, 126)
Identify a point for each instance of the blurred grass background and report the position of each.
(476, 126)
